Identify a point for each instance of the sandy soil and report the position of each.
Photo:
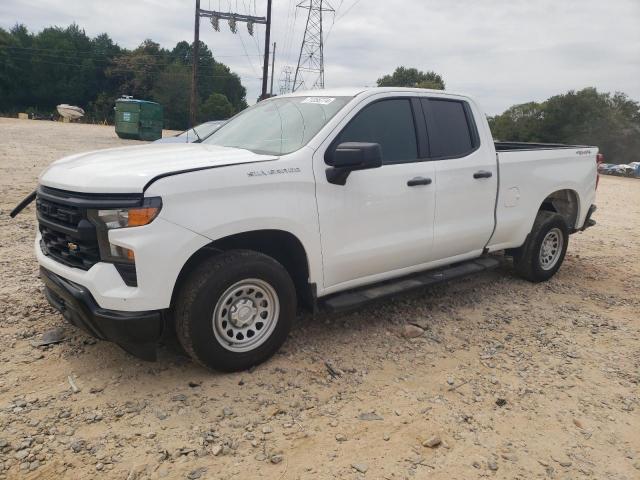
(516, 380)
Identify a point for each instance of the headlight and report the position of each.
(127, 217)
(113, 218)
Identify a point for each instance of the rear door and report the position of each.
(381, 221)
(466, 179)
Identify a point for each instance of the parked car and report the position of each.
(603, 167)
(620, 170)
(324, 199)
(195, 134)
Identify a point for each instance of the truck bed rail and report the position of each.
(509, 146)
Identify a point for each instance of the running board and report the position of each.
(353, 299)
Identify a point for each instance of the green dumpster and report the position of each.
(138, 119)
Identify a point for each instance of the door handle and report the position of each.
(414, 182)
(482, 174)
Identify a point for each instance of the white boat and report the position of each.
(70, 111)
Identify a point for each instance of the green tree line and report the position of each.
(586, 117)
(63, 65)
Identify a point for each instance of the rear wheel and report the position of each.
(235, 310)
(543, 253)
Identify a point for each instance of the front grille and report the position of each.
(68, 216)
(67, 235)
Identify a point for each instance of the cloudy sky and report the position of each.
(501, 51)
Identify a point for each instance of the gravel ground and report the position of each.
(502, 379)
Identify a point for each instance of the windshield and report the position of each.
(278, 126)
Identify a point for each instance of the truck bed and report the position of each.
(529, 172)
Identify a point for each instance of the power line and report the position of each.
(334, 20)
(348, 10)
(74, 53)
(247, 55)
(110, 70)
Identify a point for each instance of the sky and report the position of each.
(502, 52)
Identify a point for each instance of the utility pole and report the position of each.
(273, 63)
(311, 58)
(233, 19)
(265, 68)
(194, 69)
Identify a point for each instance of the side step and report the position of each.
(353, 299)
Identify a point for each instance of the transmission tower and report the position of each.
(286, 80)
(310, 69)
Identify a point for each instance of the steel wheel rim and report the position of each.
(245, 315)
(551, 248)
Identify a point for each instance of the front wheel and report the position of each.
(235, 310)
(542, 254)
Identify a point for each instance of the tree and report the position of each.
(172, 90)
(137, 70)
(412, 77)
(63, 65)
(585, 117)
(216, 107)
(522, 123)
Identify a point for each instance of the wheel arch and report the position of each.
(565, 202)
(281, 245)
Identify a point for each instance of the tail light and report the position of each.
(599, 160)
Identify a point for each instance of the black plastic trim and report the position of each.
(24, 203)
(136, 332)
(520, 146)
(91, 200)
(588, 221)
(421, 128)
(128, 273)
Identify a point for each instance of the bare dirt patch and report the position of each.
(515, 380)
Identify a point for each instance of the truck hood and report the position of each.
(129, 169)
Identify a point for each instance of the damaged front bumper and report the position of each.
(136, 332)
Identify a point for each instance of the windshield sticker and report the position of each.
(319, 100)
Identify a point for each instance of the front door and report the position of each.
(381, 220)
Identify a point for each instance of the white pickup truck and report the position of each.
(328, 198)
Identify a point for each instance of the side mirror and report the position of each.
(350, 156)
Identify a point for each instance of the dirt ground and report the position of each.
(515, 380)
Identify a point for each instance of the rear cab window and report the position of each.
(450, 126)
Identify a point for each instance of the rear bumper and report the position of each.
(588, 221)
(136, 332)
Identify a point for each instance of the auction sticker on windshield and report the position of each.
(319, 100)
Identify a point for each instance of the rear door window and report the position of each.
(451, 131)
(388, 123)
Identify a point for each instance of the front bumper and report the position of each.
(136, 332)
(162, 248)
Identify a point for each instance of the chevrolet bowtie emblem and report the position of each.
(72, 246)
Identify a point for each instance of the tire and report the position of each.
(543, 252)
(235, 310)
